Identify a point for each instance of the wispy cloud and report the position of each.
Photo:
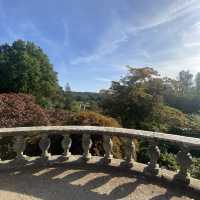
(191, 37)
(162, 34)
(27, 30)
(175, 10)
(102, 79)
(107, 45)
(173, 67)
(121, 31)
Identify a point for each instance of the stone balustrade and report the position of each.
(185, 144)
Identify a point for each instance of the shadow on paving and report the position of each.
(86, 182)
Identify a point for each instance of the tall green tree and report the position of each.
(197, 82)
(137, 101)
(131, 99)
(25, 68)
(185, 80)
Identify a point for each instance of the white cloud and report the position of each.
(172, 67)
(108, 43)
(122, 30)
(191, 37)
(27, 30)
(169, 13)
(102, 79)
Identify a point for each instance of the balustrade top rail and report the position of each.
(110, 131)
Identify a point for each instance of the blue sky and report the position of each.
(90, 42)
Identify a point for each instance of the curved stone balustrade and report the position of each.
(184, 159)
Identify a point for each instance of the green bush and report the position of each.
(195, 168)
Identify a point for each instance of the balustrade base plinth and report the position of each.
(126, 164)
(149, 170)
(180, 178)
(107, 161)
(66, 156)
(87, 157)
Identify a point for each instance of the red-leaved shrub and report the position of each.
(20, 110)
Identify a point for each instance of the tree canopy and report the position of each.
(25, 68)
(137, 100)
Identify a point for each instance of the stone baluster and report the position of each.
(184, 159)
(107, 145)
(0, 152)
(130, 151)
(66, 144)
(154, 153)
(19, 147)
(44, 145)
(86, 145)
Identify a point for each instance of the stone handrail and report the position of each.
(185, 144)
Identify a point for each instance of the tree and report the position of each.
(197, 82)
(25, 68)
(134, 97)
(185, 79)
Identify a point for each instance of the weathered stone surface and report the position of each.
(73, 181)
(184, 159)
(183, 156)
(154, 154)
(86, 145)
(29, 131)
(44, 145)
(130, 151)
(66, 144)
(107, 145)
(19, 147)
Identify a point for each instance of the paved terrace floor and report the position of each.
(76, 181)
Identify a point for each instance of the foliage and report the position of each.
(165, 118)
(183, 93)
(137, 101)
(168, 160)
(24, 68)
(86, 96)
(20, 110)
(187, 103)
(59, 117)
(141, 99)
(195, 168)
(86, 101)
(185, 80)
(93, 119)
